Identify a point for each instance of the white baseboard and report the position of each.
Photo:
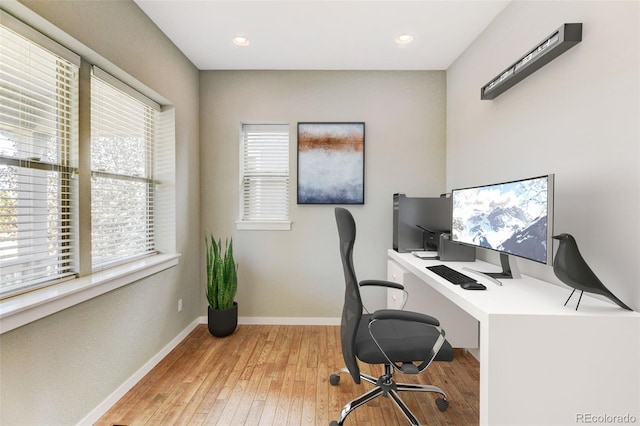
(283, 320)
(475, 352)
(105, 405)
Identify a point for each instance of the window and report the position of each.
(38, 160)
(264, 177)
(79, 195)
(123, 130)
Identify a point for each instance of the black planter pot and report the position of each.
(223, 322)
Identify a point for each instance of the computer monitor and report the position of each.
(513, 218)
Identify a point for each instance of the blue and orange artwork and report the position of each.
(330, 163)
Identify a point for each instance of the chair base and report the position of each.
(386, 386)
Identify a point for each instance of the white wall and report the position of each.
(577, 117)
(58, 369)
(298, 273)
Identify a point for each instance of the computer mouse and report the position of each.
(473, 286)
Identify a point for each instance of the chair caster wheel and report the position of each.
(333, 423)
(334, 379)
(442, 404)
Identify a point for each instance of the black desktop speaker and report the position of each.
(431, 239)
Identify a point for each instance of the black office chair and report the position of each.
(400, 340)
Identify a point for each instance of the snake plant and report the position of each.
(222, 274)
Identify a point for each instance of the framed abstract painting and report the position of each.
(330, 163)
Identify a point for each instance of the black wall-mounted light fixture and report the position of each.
(561, 40)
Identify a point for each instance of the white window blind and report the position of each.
(265, 172)
(122, 185)
(38, 159)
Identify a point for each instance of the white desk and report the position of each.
(541, 363)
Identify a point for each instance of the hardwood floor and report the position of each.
(278, 375)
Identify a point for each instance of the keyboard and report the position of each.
(451, 275)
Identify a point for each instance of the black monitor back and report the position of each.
(411, 215)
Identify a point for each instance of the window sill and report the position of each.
(25, 308)
(264, 226)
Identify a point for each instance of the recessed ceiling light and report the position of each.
(240, 41)
(404, 39)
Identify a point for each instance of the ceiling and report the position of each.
(322, 34)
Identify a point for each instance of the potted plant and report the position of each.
(221, 287)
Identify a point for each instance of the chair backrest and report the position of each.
(352, 309)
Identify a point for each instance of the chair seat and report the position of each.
(402, 341)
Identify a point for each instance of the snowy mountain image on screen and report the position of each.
(509, 217)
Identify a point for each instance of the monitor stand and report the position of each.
(509, 270)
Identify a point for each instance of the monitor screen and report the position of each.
(514, 218)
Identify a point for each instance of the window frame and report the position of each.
(42, 94)
(113, 90)
(283, 224)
